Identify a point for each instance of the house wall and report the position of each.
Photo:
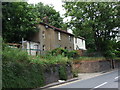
(79, 44)
(64, 42)
(51, 39)
(31, 47)
(47, 40)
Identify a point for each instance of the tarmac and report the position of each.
(81, 76)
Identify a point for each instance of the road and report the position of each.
(108, 80)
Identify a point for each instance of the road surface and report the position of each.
(108, 80)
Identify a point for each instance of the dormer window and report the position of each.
(59, 36)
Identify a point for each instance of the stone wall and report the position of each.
(117, 64)
(94, 66)
(51, 73)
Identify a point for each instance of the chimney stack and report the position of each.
(45, 19)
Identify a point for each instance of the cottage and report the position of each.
(50, 37)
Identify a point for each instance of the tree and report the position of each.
(20, 18)
(49, 11)
(96, 21)
(18, 21)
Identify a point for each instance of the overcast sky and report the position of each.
(56, 3)
(57, 6)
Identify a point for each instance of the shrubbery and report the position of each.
(23, 71)
(64, 52)
(62, 73)
(18, 71)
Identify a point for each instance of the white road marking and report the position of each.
(101, 85)
(117, 77)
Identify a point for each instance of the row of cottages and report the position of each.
(49, 38)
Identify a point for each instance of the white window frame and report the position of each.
(59, 36)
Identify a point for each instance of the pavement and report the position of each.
(82, 80)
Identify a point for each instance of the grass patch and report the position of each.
(117, 58)
(90, 59)
(49, 59)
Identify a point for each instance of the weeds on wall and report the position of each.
(62, 73)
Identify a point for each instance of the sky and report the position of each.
(57, 6)
(56, 3)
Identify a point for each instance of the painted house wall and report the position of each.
(79, 44)
(31, 47)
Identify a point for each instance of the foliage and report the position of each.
(64, 52)
(20, 19)
(117, 51)
(62, 73)
(17, 75)
(49, 60)
(18, 71)
(73, 54)
(23, 71)
(59, 51)
(95, 21)
(49, 11)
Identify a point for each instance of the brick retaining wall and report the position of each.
(94, 66)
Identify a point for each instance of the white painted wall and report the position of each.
(30, 45)
(79, 44)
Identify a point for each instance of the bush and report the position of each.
(62, 73)
(16, 75)
(64, 52)
(117, 53)
(18, 72)
(23, 71)
(109, 54)
(73, 54)
(59, 51)
(49, 60)
(14, 54)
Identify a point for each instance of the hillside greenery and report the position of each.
(19, 70)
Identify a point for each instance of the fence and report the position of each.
(35, 51)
